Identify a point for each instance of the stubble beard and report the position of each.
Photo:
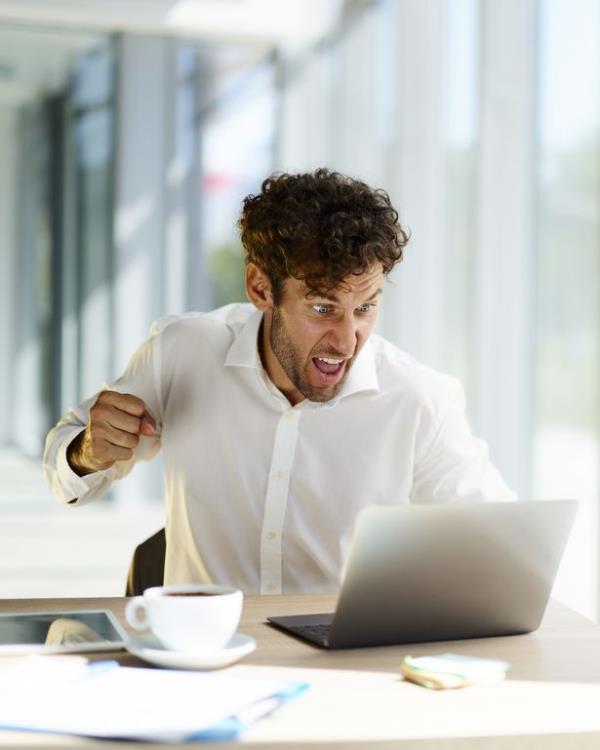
(291, 363)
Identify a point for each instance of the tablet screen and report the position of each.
(83, 630)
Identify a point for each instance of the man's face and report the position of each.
(311, 340)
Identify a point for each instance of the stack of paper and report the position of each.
(105, 700)
(452, 671)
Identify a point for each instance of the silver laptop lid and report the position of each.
(445, 572)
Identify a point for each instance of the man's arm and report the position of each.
(100, 440)
(453, 464)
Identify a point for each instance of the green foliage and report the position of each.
(226, 268)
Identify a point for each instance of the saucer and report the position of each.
(150, 649)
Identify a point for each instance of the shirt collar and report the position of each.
(362, 375)
(243, 352)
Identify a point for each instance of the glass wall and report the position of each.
(125, 161)
(57, 151)
(62, 234)
(392, 96)
(120, 205)
(481, 119)
(237, 115)
(567, 372)
(34, 269)
(92, 109)
(461, 60)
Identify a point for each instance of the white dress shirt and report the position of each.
(263, 495)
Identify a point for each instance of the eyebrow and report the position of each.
(329, 297)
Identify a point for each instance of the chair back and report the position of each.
(147, 566)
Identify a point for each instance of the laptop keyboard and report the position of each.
(317, 633)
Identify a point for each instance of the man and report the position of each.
(280, 420)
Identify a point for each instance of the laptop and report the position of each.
(419, 573)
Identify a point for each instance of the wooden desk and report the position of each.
(551, 699)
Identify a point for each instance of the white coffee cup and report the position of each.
(198, 618)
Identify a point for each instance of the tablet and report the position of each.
(65, 631)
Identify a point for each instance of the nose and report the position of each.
(344, 335)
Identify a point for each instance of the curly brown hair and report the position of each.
(319, 228)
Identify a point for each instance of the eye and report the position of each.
(366, 307)
(321, 309)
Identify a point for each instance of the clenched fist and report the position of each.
(113, 430)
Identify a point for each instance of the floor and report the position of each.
(50, 550)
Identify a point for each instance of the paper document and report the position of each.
(106, 700)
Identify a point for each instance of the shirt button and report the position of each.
(280, 475)
(271, 535)
(289, 414)
(271, 588)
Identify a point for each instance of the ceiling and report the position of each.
(40, 38)
(35, 60)
(264, 21)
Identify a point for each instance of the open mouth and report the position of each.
(329, 369)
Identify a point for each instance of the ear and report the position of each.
(258, 287)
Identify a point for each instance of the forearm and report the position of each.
(76, 456)
(67, 484)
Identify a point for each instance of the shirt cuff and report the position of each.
(74, 485)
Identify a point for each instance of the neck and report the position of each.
(270, 363)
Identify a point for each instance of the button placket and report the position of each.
(271, 562)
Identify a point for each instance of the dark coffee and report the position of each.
(192, 593)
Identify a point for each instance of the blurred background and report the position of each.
(130, 131)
